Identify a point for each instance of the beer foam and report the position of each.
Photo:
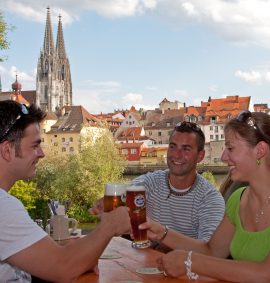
(135, 188)
(114, 189)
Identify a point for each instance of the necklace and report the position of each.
(173, 192)
(261, 211)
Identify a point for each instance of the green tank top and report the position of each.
(253, 246)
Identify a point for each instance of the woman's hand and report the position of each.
(172, 263)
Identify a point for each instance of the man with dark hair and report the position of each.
(24, 247)
(179, 198)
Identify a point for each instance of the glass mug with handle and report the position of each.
(114, 196)
(136, 202)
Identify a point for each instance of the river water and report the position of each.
(219, 178)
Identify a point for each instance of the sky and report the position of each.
(138, 52)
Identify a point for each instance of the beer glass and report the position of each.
(136, 201)
(114, 196)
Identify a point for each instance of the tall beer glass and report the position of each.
(114, 196)
(136, 201)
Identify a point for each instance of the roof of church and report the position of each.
(73, 118)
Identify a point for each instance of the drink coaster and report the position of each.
(148, 270)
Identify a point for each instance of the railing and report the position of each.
(137, 169)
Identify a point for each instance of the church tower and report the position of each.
(53, 80)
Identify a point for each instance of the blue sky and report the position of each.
(137, 52)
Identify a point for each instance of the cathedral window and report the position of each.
(63, 72)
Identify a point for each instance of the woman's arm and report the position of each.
(173, 264)
(217, 246)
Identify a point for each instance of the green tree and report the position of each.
(26, 193)
(4, 28)
(80, 178)
(210, 177)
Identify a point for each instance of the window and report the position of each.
(71, 139)
(55, 136)
(133, 151)
(213, 120)
(159, 134)
(216, 129)
(211, 128)
(217, 137)
(71, 149)
(222, 136)
(150, 133)
(63, 139)
(168, 124)
(211, 137)
(124, 151)
(64, 149)
(55, 143)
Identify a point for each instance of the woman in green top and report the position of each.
(244, 233)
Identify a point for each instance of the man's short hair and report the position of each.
(15, 118)
(190, 127)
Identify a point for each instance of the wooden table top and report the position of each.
(123, 269)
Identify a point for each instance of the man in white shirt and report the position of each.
(24, 247)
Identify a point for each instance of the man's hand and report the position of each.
(119, 220)
(155, 231)
(98, 207)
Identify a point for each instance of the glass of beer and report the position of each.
(136, 201)
(114, 196)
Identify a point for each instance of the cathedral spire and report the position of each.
(60, 44)
(48, 46)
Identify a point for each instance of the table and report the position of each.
(124, 268)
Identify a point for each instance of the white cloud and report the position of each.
(91, 100)
(132, 98)
(2, 70)
(242, 21)
(251, 76)
(213, 88)
(182, 93)
(104, 84)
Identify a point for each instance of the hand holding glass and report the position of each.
(136, 202)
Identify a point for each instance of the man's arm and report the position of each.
(52, 262)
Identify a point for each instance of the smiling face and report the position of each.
(24, 165)
(240, 157)
(183, 154)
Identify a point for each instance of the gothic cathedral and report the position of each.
(53, 80)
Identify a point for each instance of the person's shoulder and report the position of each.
(236, 194)
(206, 190)
(8, 202)
(153, 175)
(202, 182)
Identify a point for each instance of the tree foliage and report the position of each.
(80, 178)
(4, 28)
(210, 177)
(26, 192)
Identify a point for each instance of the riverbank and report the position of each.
(138, 169)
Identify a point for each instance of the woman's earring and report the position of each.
(258, 162)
